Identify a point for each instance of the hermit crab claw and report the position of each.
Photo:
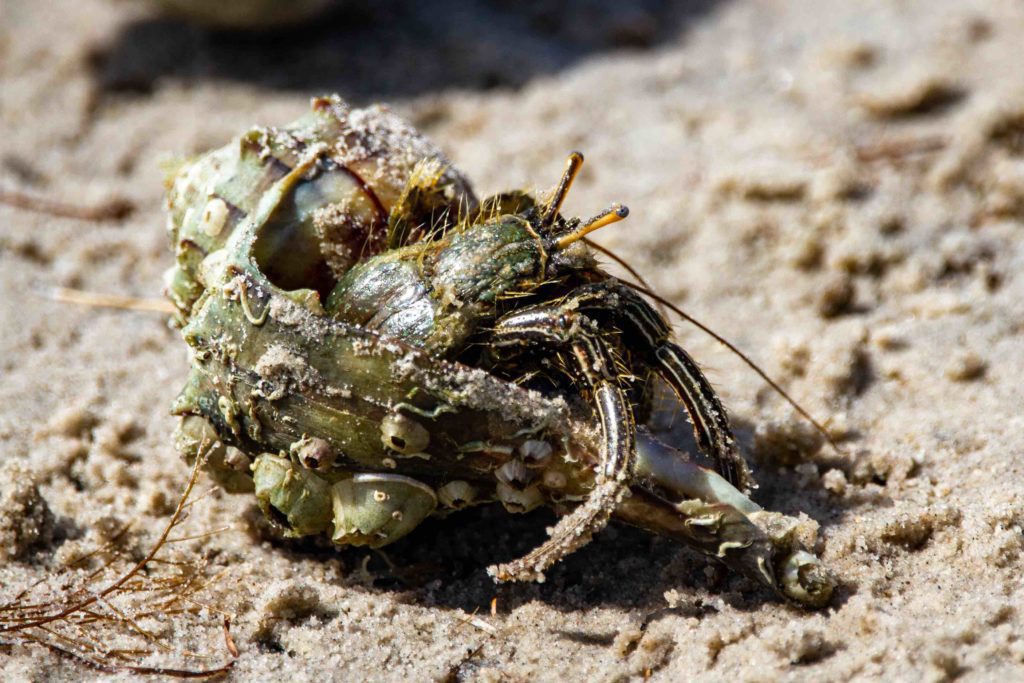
(676, 497)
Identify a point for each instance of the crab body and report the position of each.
(436, 295)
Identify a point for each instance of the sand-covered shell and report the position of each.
(336, 215)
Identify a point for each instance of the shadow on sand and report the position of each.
(367, 48)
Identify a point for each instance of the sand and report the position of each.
(836, 187)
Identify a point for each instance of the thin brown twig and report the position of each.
(203, 605)
(112, 210)
(171, 563)
(79, 297)
(196, 537)
(144, 670)
(229, 642)
(151, 637)
(80, 618)
(130, 574)
(82, 643)
(202, 496)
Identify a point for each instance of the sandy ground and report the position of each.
(836, 187)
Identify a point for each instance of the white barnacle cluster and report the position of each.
(520, 478)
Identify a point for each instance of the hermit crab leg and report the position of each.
(549, 326)
(676, 367)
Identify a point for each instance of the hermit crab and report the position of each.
(371, 345)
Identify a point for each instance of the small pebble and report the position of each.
(836, 296)
(966, 366)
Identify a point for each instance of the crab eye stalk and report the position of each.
(613, 214)
(572, 169)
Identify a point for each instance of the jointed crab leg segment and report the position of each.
(693, 389)
(595, 366)
(553, 327)
(676, 367)
(549, 326)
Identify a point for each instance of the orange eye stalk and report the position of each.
(613, 214)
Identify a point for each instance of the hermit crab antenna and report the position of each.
(820, 428)
(572, 169)
(613, 214)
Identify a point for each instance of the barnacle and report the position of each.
(376, 509)
(456, 494)
(383, 349)
(403, 434)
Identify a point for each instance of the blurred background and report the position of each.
(836, 187)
